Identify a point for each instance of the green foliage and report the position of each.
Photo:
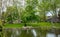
(29, 14)
(43, 7)
(32, 2)
(12, 13)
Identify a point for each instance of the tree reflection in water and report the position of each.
(28, 33)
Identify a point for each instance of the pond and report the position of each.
(34, 32)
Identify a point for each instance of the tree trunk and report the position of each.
(11, 21)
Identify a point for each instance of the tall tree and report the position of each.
(29, 12)
(12, 14)
(44, 7)
(55, 4)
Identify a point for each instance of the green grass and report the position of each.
(13, 25)
(41, 24)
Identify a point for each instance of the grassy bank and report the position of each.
(41, 24)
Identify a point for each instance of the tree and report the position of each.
(12, 14)
(28, 13)
(54, 5)
(59, 15)
(43, 8)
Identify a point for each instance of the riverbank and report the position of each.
(41, 24)
(41, 29)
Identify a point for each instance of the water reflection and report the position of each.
(59, 35)
(50, 35)
(34, 32)
(15, 33)
(28, 33)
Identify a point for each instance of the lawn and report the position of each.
(41, 24)
(13, 25)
